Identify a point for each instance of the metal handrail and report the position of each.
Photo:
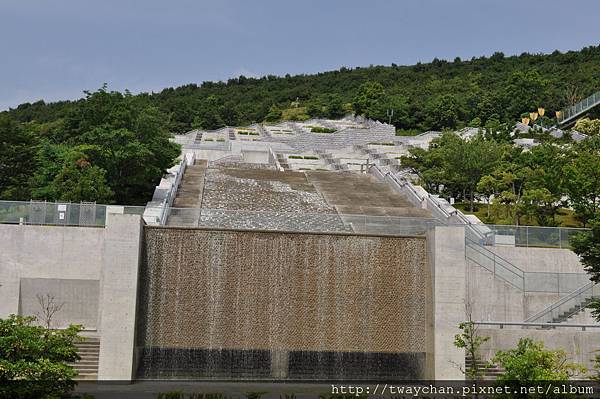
(579, 108)
(561, 302)
(519, 272)
(501, 324)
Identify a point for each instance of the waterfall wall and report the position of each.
(272, 305)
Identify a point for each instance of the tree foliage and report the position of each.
(530, 363)
(109, 147)
(534, 183)
(588, 126)
(33, 359)
(439, 94)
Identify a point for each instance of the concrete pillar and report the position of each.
(118, 296)
(447, 245)
(279, 363)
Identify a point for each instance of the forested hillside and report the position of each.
(113, 147)
(435, 95)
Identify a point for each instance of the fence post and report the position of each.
(559, 237)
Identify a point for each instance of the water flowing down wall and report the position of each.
(249, 304)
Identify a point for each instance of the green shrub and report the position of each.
(33, 359)
(309, 157)
(318, 129)
(373, 143)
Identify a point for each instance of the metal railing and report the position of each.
(210, 145)
(502, 324)
(60, 214)
(94, 215)
(531, 236)
(495, 264)
(568, 305)
(542, 282)
(570, 113)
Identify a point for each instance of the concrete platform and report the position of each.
(266, 199)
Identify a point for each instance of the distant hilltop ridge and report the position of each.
(426, 96)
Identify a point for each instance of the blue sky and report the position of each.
(56, 49)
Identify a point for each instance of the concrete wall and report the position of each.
(119, 296)
(76, 301)
(494, 299)
(540, 259)
(449, 299)
(51, 255)
(491, 298)
(90, 272)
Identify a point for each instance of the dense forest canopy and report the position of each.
(109, 147)
(436, 95)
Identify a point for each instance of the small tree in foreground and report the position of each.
(48, 308)
(530, 363)
(33, 359)
(470, 340)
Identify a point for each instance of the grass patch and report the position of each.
(295, 114)
(302, 157)
(209, 139)
(220, 139)
(407, 132)
(498, 215)
(318, 129)
(390, 144)
(247, 133)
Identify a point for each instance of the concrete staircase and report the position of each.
(87, 366)
(283, 161)
(186, 207)
(489, 371)
(231, 134)
(573, 310)
(329, 159)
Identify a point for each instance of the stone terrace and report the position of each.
(295, 201)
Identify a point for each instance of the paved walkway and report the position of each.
(150, 389)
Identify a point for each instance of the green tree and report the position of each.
(487, 187)
(17, 159)
(335, 107)
(587, 246)
(79, 180)
(444, 112)
(545, 186)
(582, 184)
(127, 139)
(209, 115)
(471, 341)
(33, 359)
(369, 95)
(455, 163)
(525, 92)
(538, 203)
(530, 363)
(274, 114)
(591, 127)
